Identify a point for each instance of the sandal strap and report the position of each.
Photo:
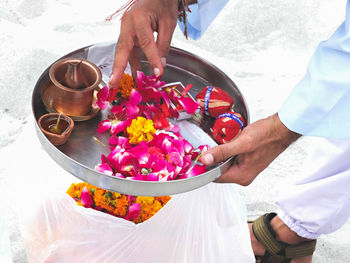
(277, 251)
(301, 250)
(266, 235)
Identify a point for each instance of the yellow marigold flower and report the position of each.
(149, 207)
(126, 85)
(75, 190)
(116, 195)
(145, 200)
(71, 191)
(140, 129)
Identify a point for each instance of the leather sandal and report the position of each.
(277, 251)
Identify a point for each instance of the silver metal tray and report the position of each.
(80, 154)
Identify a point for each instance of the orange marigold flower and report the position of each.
(126, 85)
(121, 206)
(101, 201)
(75, 190)
(163, 199)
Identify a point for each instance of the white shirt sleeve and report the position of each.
(320, 103)
(201, 16)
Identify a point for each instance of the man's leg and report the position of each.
(319, 200)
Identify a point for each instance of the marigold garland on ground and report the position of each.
(118, 204)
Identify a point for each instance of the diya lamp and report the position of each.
(56, 127)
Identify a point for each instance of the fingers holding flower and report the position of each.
(137, 27)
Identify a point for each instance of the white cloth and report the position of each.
(319, 105)
(319, 200)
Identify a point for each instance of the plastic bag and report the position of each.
(204, 225)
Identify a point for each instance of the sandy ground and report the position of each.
(263, 46)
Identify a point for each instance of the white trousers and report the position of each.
(319, 200)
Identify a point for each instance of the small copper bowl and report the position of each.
(74, 101)
(65, 126)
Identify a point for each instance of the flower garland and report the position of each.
(133, 208)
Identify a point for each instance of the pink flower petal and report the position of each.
(102, 105)
(175, 159)
(86, 199)
(104, 126)
(186, 90)
(135, 97)
(149, 94)
(119, 175)
(174, 170)
(104, 159)
(166, 145)
(117, 109)
(104, 168)
(204, 147)
(155, 163)
(187, 146)
(174, 128)
(132, 110)
(140, 152)
(189, 104)
(179, 145)
(152, 177)
(120, 140)
(133, 211)
(102, 97)
(103, 94)
(118, 126)
(140, 76)
(187, 163)
(196, 170)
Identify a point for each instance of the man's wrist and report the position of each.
(286, 136)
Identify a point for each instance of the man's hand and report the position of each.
(256, 147)
(137, 27)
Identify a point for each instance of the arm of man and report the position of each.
(148, 16)
(318, 106)
(137, 27)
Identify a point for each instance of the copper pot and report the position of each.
(75, 81)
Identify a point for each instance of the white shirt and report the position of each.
(319, 105)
